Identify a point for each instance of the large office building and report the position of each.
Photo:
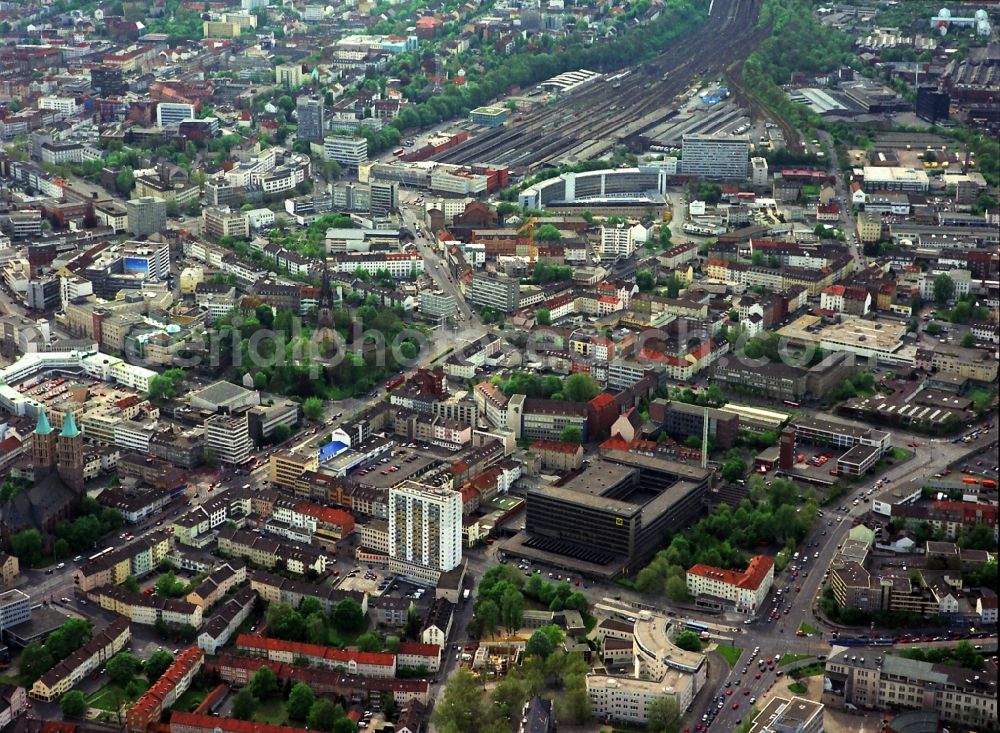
(15, 608)
(146, 259)
(228, 438)
(789, 715)
(661, 669)
(173, 113)
(722, 157)
(347, 150)
(859, 678)
(146, 215)
(436, 304)
(311, 119)
(611, 515)
(425, 526)
(383, 197)
(495, 291)
(222, 221)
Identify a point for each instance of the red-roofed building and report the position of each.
(414, 655)
(332, 525)
(146, 711)
(238, 671)
(195, 723)
(557, 455)
(368, 664)
(744, 592)
(601, 414)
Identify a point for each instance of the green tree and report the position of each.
(36, 660)
(645, 281)
(543, 317)
(348, 616)
(664, 715)
(131, 584)
(581, 387)
(369, 641)
(539, 645)
(547, 233)
(512, 608)
(125, 181)
(571, 434)
(73, 704)
(733, 470)
(968, 340)
(264, 684)
(60, 549)
(158, 663)
(461, 707)
(312, 408)
(323, 715)
(688, 640)
(488, 614)
(244, 704)
(944, 288)
(122, 667)
(300, 701)
(676, 589)
(27, 546)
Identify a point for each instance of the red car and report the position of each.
(757, 676)
(746, 693)
(729, 691)
(736, 706)
(770, 661)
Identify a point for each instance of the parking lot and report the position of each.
(378, 583)
(403, 462)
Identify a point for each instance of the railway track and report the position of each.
(589, 119)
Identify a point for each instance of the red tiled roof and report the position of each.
(602, 400)
(556, 446)
(251, 641)
(416, 649)
(189, 721)
(835, 290)
(751, 578)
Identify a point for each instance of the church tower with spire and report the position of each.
(69, 450)
(43, 446)
(324, 314)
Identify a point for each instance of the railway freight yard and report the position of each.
(619, 109)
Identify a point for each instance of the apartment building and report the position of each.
(368, 691)
(437, 304)
(146, 609)
(265, 551)
(218, 583)
(90, 657)
(859, 678)
(425, 526)
(287, 466)
(617, 241)
(174, 682)
(221, 625)
(134, 559)
(272, 588)
(368, 664)
(744, 592)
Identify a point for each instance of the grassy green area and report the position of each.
(106, 697)
(730, 653)
(271, 711)
(809, 670)
(9, 680)
(797, 687)
(789, 658)
(811, 630)
(191, 699)
(901, 454)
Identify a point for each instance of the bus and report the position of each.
(100, 554)
(695, 626)
(789, 403)
(398, 152)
